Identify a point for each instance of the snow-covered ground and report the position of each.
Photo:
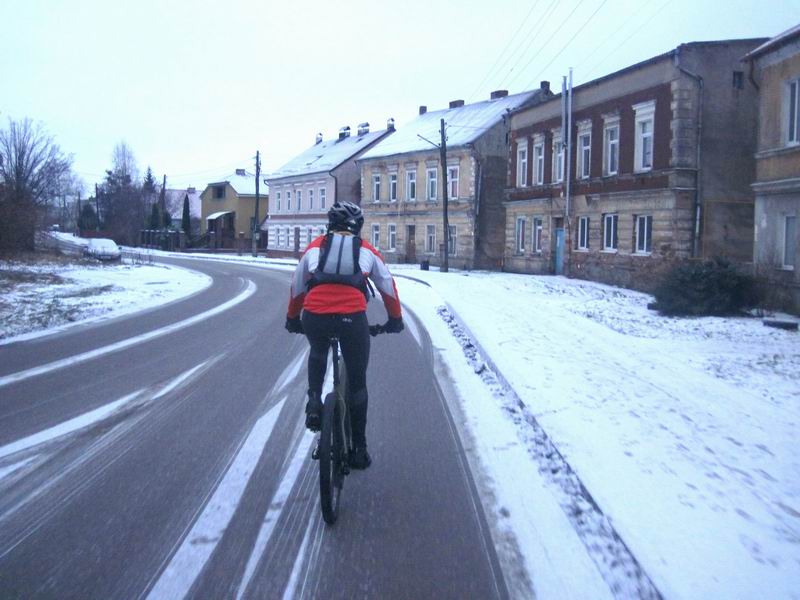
(39, 297)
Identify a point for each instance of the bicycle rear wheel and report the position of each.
(329, 461)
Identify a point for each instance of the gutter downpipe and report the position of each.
(698, 192)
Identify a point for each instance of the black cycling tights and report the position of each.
(353, 333)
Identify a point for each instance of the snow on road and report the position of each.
(683, 430)
(37, 298)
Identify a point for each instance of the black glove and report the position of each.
(394, 325)
(293, 325)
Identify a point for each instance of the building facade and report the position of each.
(775, 67)
(303, 189)
(228, 210)
(403, 178)
(659, 170)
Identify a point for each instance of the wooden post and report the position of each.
(443, 159)
(256, 224)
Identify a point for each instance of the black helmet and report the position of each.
(345, 216)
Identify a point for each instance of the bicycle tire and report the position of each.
(346, 427)
(328, 464)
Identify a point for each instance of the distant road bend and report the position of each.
(163, 455)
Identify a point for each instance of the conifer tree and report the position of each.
(186, 221)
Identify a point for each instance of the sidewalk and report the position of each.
(683, 430)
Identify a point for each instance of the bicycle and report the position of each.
(335, 438)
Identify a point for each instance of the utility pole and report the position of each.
(97, 206)
(255, 232)
(443, 159)
(163, 202)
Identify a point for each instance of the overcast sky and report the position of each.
(195, 87)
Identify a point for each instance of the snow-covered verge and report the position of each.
(40, 296)
(683, 431)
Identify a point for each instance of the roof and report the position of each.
(244, 185)
(327, 155)
(217, 215)
(465, 124)
(174, 201)
(773, 43)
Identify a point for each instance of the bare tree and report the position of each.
(32, 171)
(124, 162)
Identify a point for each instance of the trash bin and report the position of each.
(425, 265)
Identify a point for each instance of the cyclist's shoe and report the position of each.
(359, 458)
(314, 412)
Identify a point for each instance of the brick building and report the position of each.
(660, 170)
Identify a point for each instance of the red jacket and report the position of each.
(333, 298)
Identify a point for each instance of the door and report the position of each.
(559, 266)
(411, 244)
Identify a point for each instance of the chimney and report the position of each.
(456, 103)
(498, 94)
(344, 132)
(318, 139)
(390, 124)
(191, 190)
(545, 86)
(363, 128)
(423, 109)
(240, 172)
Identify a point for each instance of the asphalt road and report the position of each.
(163, 455)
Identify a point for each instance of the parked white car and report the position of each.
(103, 249)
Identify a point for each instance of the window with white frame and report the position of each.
(451, 240)
(558, 157)
(583, 233)
(522, 164)
(376, 188)
(376, 235)
(643, 145)
(392, 237)
(322, 197)
(644, 234)
(793, 112)
(538, 161)
(519, 235)
(452, 182)
(584, 150)
(537, 234)
(288, 201)
(393, 187)
(430, 239)
(789, 242)
(611, 146)
(277, 202)
(288, 237)
(433, 182)
(310, 234)
(411, 185)
(299, 203)
(610, 232)
(310, 199)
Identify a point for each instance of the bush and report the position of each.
(711, 287)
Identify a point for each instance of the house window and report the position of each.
(644, 234)
(794, 112)
(310, 235)
(277, 202)
(585, 151)
(322, 199)
(537, 234)
(789, 242)
(451, 240)
(558, 158)
(538, 157)
(288, 237)
(643, 151)
(376, 188)
(611, 148)
(452, 181)
(392, 237)
(288, 200)
(430, 239)
(738, 80)
(299, 203)
(583, 233)
(519, 235)
(376, 235)
(310, 199)
(432, 177)
(522, 165)
(393, 187)
(610, 232)
(219, 191)
(411, 185)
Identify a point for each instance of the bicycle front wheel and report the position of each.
(328, 463)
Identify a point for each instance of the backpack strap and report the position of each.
(324, 250)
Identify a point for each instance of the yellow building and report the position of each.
(228, 209)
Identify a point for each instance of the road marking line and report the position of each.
(78, 358)
(291, 587)
(14, 467)
(290, 372)
(276, 509)
(195, 550)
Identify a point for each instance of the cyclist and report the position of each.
(330, 287)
